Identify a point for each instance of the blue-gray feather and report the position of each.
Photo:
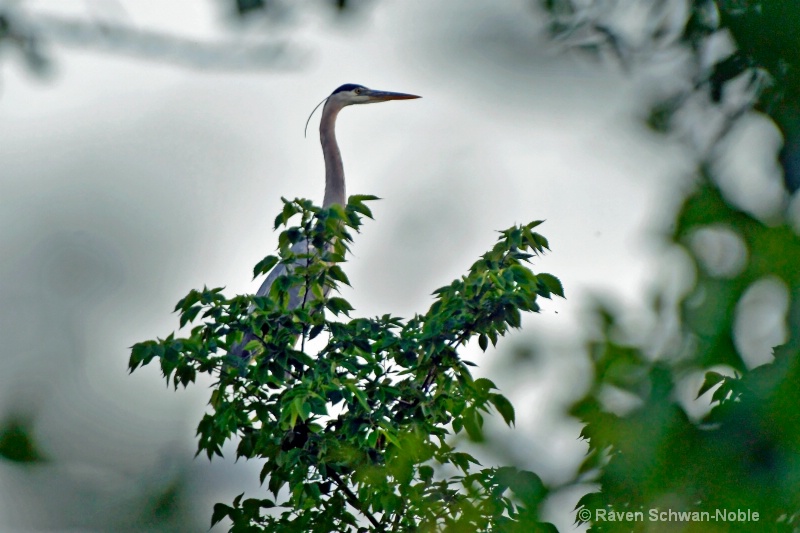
(295, 298)
(348, 87)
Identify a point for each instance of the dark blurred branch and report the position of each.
(30, 32)
(117, 38)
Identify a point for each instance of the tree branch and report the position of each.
(231, 54)
(352, 499)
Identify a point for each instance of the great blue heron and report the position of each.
(348, 94)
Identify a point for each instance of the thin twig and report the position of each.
(352, 499)
(308, 284)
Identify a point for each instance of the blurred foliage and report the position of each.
(647, 453)
(17, 36)
(17, 443)
(244, 7)
(766, 59)
(355, 435)
(250, 7)
(28, 32)
(745, 453)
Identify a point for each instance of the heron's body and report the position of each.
(335, 190)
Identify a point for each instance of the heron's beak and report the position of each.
(384, 96)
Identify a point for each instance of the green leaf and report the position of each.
(473, 424)
(390, 437)
(361, 397)
(220, 511)
(189, 315)
(503, 407)
(360, 198)
(265, 265)
(426, 473)
(541, 242)
(551, 283)
(712, 379)
(372, 439)
(462, 460)
(141, 354)
(526, 485)
(356, 203)
(17, 443)
(301, 409)
(336, 273)
(289, 210)
(338, 305)
(522, 274)
(484, 385)
(187, 301)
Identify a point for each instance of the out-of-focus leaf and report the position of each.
(17, 443)
(711, 380)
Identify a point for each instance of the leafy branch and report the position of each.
(363, 423)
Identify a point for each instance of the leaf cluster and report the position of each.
(357, 435)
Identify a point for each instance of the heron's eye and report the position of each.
(357, 91)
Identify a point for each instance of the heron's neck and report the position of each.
(334, 168)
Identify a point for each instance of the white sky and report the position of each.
(127, 183)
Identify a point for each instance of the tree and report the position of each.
(354, 435)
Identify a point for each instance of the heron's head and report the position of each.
(351, 93)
